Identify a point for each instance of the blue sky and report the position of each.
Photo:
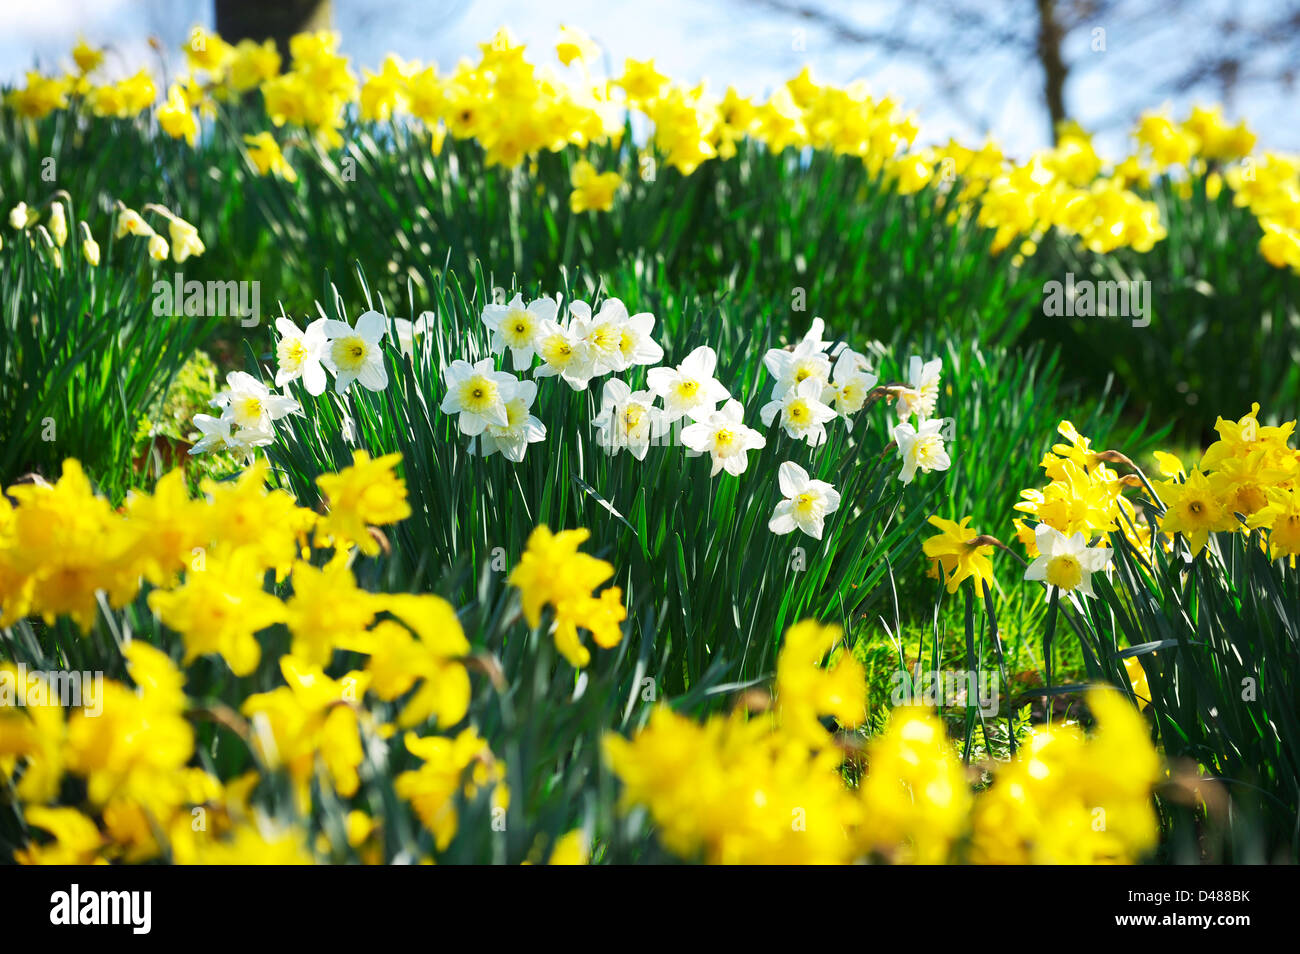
(725, 41)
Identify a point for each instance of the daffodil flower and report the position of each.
(724, 435)
(689, 390)
(520, 430)
(628, 419)
(921, 448)
(516, 325)
(852, 382)
(58, 224)
(635, 343)
(803, 415)
(479, 394)
(251, 404)
(299, 354)
(215, 431)
(131, 222)
(264, 152)
(407, 331)
(592, 191)
(1066, 563)
(354, 354)
(89, 247)
(952, 550)
(618, 341)
(921, 394)
(20, 216)
(563, 354)
(806, 505)
(185, 239)
(602, 334)
(574, 44)
(791, 368)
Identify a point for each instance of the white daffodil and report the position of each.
(849, 362)
(628, 419)
(602, 334)
(921, 448)
(247, 439)
(250, 404)
(215, 431)
(563, 354)
(515, 326)
(852, 382)
(20, 216)
(790, 367)
(298, 354)
(806, 505)
(1066, 563)
(407, 331)
(922, 391)
(724, 435)
(354, 354)
(520, 430)
(617, 340)
(689, 390)
(803, 415)
(812, 339)
(634, 343)
(479, 394)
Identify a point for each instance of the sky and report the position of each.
(728, 42)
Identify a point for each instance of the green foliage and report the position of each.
(1217, 638)
(82, 357)
(668, 526)
(1225, 324)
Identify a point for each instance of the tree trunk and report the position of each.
(271, 20)
(1050, 38)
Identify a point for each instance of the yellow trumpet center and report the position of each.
(350, 353)
(1064, 571)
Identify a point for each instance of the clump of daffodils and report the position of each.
(808, 391)
(1084, 496)
(919, 435)
(51, 235)
(1073, 798)
(769, 787)
(553, 573)
(184, 237)
(515, 109)
(350, 353)
(204, 563)
(248, 409)
(1246, 480)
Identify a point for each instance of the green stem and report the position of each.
(1052, 606)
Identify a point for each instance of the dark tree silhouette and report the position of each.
(270, 19)
(1218, 48)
